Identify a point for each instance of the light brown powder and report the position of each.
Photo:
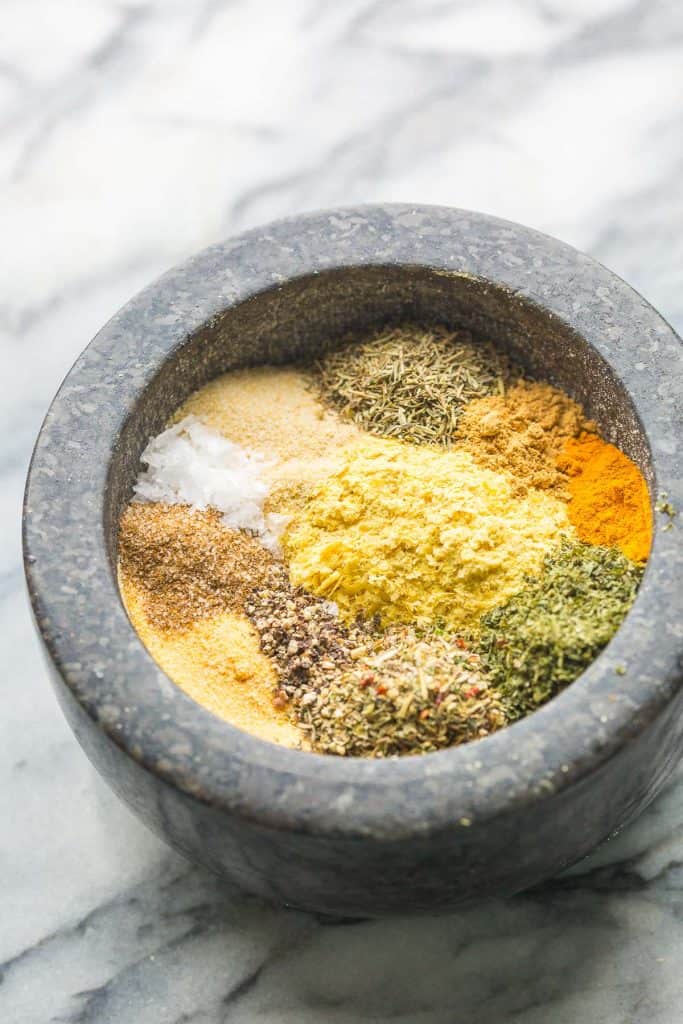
(218, 662)
(186, 563)
(522, 432)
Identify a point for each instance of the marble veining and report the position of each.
(133, 134)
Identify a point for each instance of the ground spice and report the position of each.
(410, 695)
(610, 503)
(412, 382)
(186, 563)
(419, 535)
(522, 432)
(302, 635)
(216, 661)
(547, 634)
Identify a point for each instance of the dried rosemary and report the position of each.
(411, 695)
(546, 635)
(412, 382)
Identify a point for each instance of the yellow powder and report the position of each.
(273, 410)
(418, 534)
(218, 662)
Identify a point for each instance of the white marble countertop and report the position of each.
(135, 132)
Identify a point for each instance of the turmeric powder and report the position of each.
(609, 504)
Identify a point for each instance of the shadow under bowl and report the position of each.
(350, 836)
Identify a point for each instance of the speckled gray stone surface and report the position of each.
(344, 836)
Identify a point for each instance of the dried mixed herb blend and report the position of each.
(411, 695)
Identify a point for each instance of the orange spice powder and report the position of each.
(609, 500)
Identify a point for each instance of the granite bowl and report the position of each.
(348, 836)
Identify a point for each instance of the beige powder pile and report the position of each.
(273, 410)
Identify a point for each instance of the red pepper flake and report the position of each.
(471, 691)
(381, 689)
(366, 679)
(459, 642)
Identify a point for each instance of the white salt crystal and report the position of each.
(190, 464)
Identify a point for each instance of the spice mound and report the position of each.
(404, 547)
(412, 694)
(413, 383)
(218, 662)
(302, 635)
(186, 564)
(610, 503)
(191, 464)
(552, 629)
(522, 432)
(419, 535)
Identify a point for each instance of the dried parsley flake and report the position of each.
(546, 635)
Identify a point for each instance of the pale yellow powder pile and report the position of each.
(419, 535)
(218, 662)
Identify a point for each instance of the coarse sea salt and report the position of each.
(191, 464)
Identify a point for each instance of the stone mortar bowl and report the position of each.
(352, 836)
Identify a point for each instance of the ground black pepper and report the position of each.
(302, 635)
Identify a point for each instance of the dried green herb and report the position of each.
(665, 507)
(412, 382)
(412, 695)
(546, 635)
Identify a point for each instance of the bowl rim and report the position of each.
(103, 663)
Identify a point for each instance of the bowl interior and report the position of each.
(311, 314)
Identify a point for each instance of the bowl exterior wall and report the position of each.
(365, 877)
